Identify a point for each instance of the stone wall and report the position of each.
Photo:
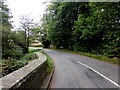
(30, 76)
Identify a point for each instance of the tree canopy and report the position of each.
(83, 26)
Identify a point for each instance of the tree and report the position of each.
(108, 23)
(88, 27)
(27, 25)
(6, 26)
(99, 32)
(60, 21)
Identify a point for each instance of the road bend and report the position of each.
(77, 71)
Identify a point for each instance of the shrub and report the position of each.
(28, 56)
(12, 52)
(10, 65)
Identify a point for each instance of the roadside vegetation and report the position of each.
(37, 45)
(14, 44)
(90, 28)
(49, 62)
(10, 65)
(95, 56)
(49, 59)
(34, 50)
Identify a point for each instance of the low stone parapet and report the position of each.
(29, 76)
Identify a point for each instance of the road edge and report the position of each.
(47, 81)
(117, 64)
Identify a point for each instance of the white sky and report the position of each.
(22, 7)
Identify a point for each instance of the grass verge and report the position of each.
(49, 63)
(37, 45)
(95, 56)
(49, 59)
(34, 50)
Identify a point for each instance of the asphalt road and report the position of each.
(76, 71)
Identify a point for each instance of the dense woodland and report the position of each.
(92, 27)
(79, 26)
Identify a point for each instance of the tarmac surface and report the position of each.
(77, 71)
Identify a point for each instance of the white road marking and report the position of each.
(68, 57)
(100, 74)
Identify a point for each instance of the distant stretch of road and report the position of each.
(76, 71)
(35, 48)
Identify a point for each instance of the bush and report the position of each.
(11, 52)
(28, 56)
(10, 65)
(78, 48)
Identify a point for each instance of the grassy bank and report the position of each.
(49, 60)
(34, 50)
(37, 45)
(95, 56)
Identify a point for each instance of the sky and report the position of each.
(35, 8)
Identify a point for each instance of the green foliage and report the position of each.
(28, 56)
(19, 39)
(27, 24)
(34, 50)
(14, 43)
(5, 13)
(92, 27)
(58, 23)
(10, 46)
(37, 45)
(10, 65)
(99, 31)
(12, 52)
(5, 26)
(45, 42)
(49, 62)
(96, 56)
